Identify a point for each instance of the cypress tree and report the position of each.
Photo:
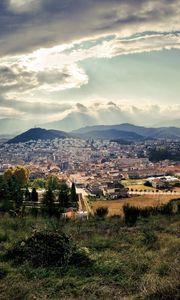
(74, 196)
(48, 202)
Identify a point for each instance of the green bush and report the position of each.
(131, 214)
(101, 212)
(81, 258)
(42, 249)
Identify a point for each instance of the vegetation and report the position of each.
(45, 256)
(14, 192)
(100, 258)
(156, 155)
(102, 212)
(115, 207)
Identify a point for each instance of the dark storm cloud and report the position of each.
(44, 23)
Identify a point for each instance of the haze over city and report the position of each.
(89, 62)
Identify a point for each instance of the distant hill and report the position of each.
(38, 133)
(162, 132)
(113, 134)
(125, 132)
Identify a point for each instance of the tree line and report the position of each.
(15, 193)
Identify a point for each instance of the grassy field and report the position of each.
(115, 207)
(140, 262)
(136, 184)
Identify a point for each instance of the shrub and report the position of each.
(81, 257)
(131, 214)
(102, 212)
(42, 249)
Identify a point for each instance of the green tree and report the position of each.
(5, 203)
(21, 176)
(48, 202)
(27, 195)
(53, 183)
(39, 183)
(64, 197)
(15, 179)
(73, 196)
(34, 195)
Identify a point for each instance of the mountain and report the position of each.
(162, 132)
(113, 134)
(125, 132)
(38, 133)
(73, 120)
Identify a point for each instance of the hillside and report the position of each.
(162, 132)
(38, 133)
(114, 261)
(113, 134)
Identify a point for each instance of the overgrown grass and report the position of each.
(140, 262)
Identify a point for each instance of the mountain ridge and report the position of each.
(125, 131)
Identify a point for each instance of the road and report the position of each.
(83, 201)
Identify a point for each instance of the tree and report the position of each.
(5, 203)
(27, 195)
(39, 183)
(73, 196)
(34, 195)
(53, 183)
(3, 188)
(64, 196)
(15, 179)
(48, 202)
(21, 176)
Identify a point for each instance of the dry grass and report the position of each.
(116, 206)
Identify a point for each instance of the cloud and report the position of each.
(19, 78)
(29, 24)
(23, 6)
(100, 111)
(57, 68)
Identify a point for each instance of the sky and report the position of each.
(114, 61)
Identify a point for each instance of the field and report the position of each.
(137, 184)
(126, 263)
(115, 207)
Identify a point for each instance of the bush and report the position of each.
(42, 249)
(81, 258)
(102, 212)
(131, 214)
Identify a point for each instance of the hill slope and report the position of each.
(38, 133)
(162, 132)
(113, 134)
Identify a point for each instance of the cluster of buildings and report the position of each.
(96, 165)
